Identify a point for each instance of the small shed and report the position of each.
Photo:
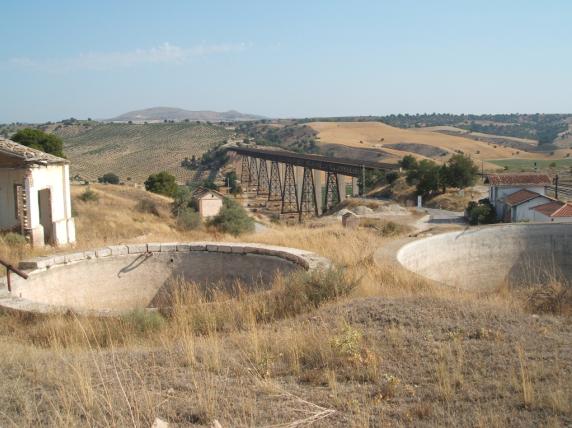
(208, 201)
(518, 205)
(35, 195)
(554, 211)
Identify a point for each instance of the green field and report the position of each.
(137, 150)
(531, 164)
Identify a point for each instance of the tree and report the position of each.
(109, 178)
(233, 219)
(408, 162)
(481, 213)
(460, 171)
(231, 181)
(39, 140)
(426, 177)
(162, 183)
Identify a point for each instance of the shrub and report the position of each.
(408, 162)
(144, 321)
(89, 196)
(481, 213)
(188, 219)
(147, 206)
(14, 239)
(232, 219)
(162, 183)
(392, 176)
(109, 178)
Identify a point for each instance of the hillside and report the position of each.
(137, 150)
(396, 351)
(420, 142)
(179, 114)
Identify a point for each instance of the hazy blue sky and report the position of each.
(284, 58)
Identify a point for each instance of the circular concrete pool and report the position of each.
(121, 278)
(485, 257)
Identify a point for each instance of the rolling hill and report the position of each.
(135, 151)
(421, 142)
(159, 114)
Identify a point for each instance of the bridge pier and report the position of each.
(290, 203)
(253, 174)
(275, 184)
(263, 181)
(245, 175)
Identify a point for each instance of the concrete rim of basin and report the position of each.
(306, 260)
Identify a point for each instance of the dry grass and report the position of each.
(376, 135)
(395, 351)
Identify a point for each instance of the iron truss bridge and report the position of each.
(348, 167)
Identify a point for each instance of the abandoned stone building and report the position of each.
(35, 195)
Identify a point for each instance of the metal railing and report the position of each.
(10, 268)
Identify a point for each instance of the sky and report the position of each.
(98, 59)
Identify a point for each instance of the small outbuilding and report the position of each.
(554, 211)
(501, 186)
(208, 202)
(35, 195)
(518, 205)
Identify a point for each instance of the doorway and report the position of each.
(45, 204)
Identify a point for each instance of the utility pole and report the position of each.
(363, 180)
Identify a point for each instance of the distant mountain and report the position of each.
(179, 114)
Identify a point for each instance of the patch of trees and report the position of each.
(301, 139)
(162, 183)
(232, 219)
(214, 158)
(481, 212)
(39, 140)
(109, 178)
(190, 163)
(231, 181)
(429, 178)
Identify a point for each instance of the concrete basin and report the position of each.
(483, 258)
(119, 279)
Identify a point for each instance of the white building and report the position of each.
(503, 185)
(518, 205)
(35, 195)
(554, 211)
(209, 202)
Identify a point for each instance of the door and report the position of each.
(45, 204)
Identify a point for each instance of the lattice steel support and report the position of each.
(254, 172)
(290, 193)
(263, 185)
(275, 184)
(245, 175)
(332, 191)
(308, 204)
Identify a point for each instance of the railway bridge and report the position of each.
(297, 182)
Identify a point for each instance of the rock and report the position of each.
(342, 212)
(350, 220)
(216, 424)
(160, 423)
(362, 210)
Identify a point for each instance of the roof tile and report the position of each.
(520, 179)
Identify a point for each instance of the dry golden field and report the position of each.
(372, 346)
(420, 142)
